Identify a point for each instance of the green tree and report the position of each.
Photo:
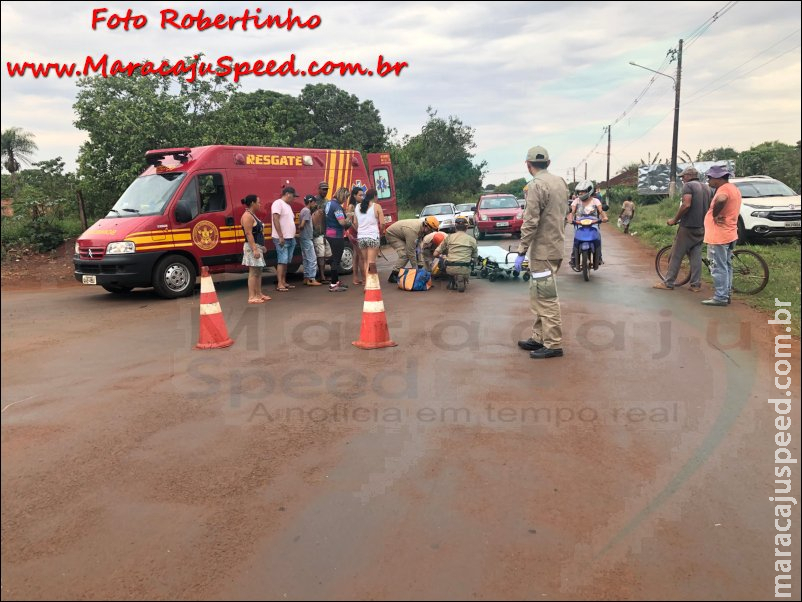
(717, 154)
(337, 119)
(17, 148)
(632, 167)
(515, 187)
(261, 118)
(126, 116)
(437, 164)
(776, 159)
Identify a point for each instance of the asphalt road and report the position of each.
(295, 466)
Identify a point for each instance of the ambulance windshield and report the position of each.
(147, 195)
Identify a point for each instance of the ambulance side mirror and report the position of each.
(184, 211)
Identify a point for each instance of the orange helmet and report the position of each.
(432, 222)
(437, 238)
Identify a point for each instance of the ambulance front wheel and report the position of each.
(174, 277)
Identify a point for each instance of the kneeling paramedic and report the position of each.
(403, 236)
(461, 252)
(428, 245)
(543, 238)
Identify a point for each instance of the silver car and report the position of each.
(445, 213)
(467, 210)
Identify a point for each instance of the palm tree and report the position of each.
(18, 147)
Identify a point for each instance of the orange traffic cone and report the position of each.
(374, 333)
(213, 332)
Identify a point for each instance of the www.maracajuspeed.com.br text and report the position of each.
(224, 66)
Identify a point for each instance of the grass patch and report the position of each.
(407, 213)
(782, 257)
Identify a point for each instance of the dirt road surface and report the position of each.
(295, 466)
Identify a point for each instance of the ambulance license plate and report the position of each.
(90, 279)
(502, 224)
(793, 224)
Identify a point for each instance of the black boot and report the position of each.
(393, 279)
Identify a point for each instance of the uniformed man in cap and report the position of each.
(543, 239)
(404, 236)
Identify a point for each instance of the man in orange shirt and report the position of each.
(721, 232)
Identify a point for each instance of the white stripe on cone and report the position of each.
(208, 309)
(372, 283)
(207, 286)
(373, 307)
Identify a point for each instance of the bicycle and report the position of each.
(750, 272)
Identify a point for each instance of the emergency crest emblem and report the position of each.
(205, 235)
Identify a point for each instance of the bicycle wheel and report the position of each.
(662, 261)
(750, 273)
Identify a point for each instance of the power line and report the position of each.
(699, 31)
(733, 80)
(764, 51)
(669, 58)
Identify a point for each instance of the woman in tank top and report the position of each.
(369, 223)
(253, 251)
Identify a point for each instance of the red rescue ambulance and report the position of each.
(184, 212)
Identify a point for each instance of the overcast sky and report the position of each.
(520, 73)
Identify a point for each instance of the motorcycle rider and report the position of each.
(586, 205)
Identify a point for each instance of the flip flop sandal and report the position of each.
(255, 301)
(282, 289)
(266, 298)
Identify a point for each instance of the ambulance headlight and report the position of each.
(120, 248)
(77, 248)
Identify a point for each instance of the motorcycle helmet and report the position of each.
(584, 190)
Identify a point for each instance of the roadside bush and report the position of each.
(617, 194)
(14, 231)
(45, 235)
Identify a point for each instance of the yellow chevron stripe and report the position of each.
(165, 246)
(341, 170)
(333, 172)
(335, 163)
(146, 235)
(326, 174)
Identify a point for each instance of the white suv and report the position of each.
(769, 208)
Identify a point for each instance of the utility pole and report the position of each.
(574, 174)
(586, 170)
(672, 186)
(608, 156)
(672, 181)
